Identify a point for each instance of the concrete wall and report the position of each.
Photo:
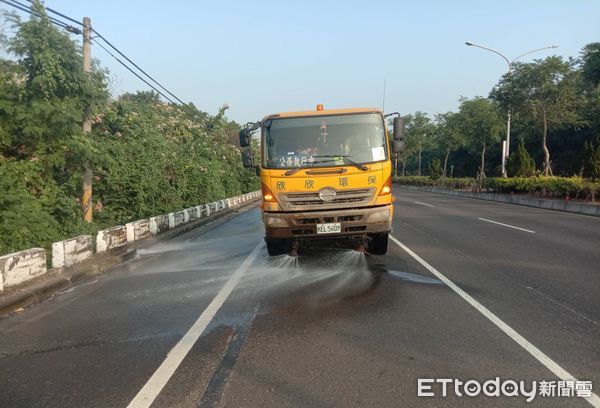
(193, 213)
(72, 251)
(21, 266)
(111, 238)
(176, 219)
(159, 224)
(24, 265)
(137, 230)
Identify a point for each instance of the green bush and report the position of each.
(591, 167)
(435, 169)
(148, 157)
(553, 187)
(520, 163)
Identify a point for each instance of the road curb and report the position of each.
(39, 289)
(543, 203)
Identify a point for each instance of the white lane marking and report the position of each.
(560, 372)
(507, 225)
(428, 205)
(161, 376)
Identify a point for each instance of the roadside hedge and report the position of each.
(551, 187)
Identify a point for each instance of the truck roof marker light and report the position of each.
(267, 195)
(320, 107)
(387, 187)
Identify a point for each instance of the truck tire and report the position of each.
(277, 246)
(378, 244)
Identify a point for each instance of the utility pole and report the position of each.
(86, 196)
(506, 143)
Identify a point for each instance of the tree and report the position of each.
(520, 163)
(448, 137)
(480, 123)
(590, 65)
(419, 131)
(435, 169)
(590, 87)
(591, 166)
(546, 91)
(149, 157)
(44, 104)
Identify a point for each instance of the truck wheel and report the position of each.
(277, 246)
(378, 244)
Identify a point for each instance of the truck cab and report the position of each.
(326, 178)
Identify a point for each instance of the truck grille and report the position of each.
(310, 201)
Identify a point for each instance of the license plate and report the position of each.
(331, 228)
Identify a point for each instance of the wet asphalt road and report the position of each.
(328, 329)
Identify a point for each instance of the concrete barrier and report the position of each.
(176, 219)
(159, 224)
(137, 230)
(21, 266)
(192, 213)
(25, 265)
(72, 251)
(111, 238)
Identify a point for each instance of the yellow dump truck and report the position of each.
(326, 177)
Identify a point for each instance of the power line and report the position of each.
(61, 15)
(75, 30)
(135, 65)
(133, 72)
(25, 8)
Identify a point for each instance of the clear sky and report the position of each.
(262, 57)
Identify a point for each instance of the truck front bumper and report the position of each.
(354, 222)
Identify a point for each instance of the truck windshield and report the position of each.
(319, 141)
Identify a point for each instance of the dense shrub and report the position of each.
(435, 169)
(554, 187)
(148, 157)
(591, 166)
(520, 163)
(162, 158)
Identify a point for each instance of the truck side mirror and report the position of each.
(399, 128)
(247, 159)
(399, 146)
(244, 138)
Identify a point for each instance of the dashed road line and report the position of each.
(161, 376)
(560, 372)
(507, 225)
(428, 205)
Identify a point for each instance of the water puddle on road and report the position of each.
(74, 287)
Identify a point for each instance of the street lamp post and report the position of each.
(506, 143)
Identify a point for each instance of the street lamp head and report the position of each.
(554, 46)
(469, 43)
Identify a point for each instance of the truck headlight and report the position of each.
(276, 222)
(379, 216)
